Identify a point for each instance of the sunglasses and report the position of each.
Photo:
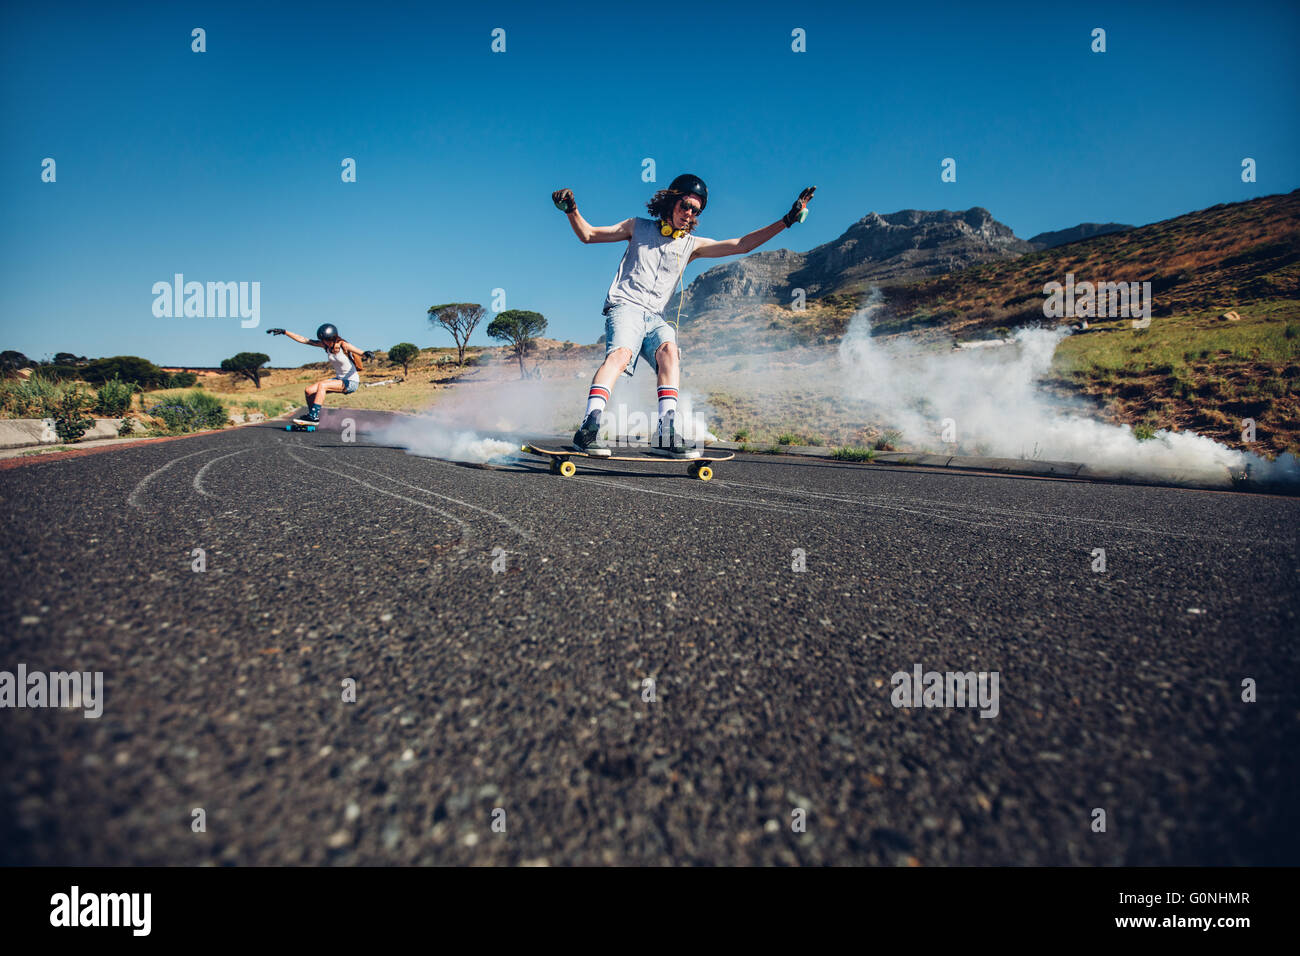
(693, 210)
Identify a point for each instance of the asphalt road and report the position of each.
(517, 694)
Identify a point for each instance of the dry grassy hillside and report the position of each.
(1190, 369)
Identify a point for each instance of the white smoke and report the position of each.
(995, 406)
(486, 420)
(425, 436)
(482, 421)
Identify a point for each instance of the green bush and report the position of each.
(192, 412)
(42, 397)
(129, 368)
(113, 398)
(69, 413)
(182, 380)
(28, 399)
(854, 454)
(889, 441)
(60, 373)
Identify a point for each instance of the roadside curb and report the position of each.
(17, 457)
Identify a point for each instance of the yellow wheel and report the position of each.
(568, 469)
(703, 472)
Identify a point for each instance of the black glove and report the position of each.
(275, 331)
(799, 211)
(564, 201)
(368, 355)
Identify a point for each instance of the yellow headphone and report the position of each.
(666, 229)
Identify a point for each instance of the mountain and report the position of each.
(1084, 230)
(905, 245)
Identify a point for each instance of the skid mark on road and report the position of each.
(1008, 514)
(198, 475)
(466, 532)
(133, 499)
(784, 507)
(526, 535)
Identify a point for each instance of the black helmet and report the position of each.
(327, 332)
(687, 183)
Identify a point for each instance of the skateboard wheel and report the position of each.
(703, 472)
(555, 466)
(568, 468)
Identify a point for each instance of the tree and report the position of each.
(11, 361)
(129, 368)
(67, 358)
(247, 364)
(518, 327)
(460, 319)
(401, 354)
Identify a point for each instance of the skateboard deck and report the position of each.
(298, 425)
(697, 467)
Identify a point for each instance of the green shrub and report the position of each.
(888, 441)
(182, 380)
(1144, 432)
(741, 435)
(68, 404)
(849, 453)
(60, 373)
(129, 368)
(113, 398)
(192, 412)
(28, 399)
(789, 438)
(69, 413)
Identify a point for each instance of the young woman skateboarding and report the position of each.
(343, 355)
(658, 251)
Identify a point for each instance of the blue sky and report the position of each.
(225, 165)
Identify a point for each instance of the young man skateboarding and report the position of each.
(346, 359)
(658, 251)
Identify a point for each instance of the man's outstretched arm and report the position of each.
(730, 247)
(585, 231)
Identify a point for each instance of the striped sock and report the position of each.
(667, 401)
(597, 399)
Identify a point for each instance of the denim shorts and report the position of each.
(632, 327)
(350, 385)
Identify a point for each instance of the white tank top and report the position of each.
(344, 367)
(650, 269)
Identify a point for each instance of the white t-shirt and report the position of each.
(651, 268)
(344, 367)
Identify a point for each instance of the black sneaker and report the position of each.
(669, 441)
(586, 439)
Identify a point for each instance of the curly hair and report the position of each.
(661, 206)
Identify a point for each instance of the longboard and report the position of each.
(300, 426)
(561, 465)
